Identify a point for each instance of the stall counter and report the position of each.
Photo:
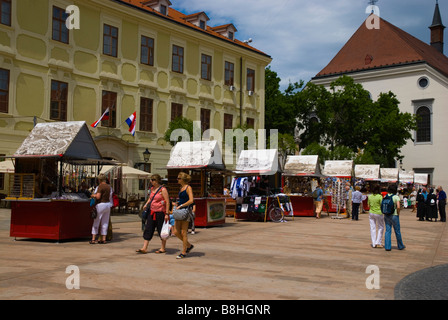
(50, 219)
(210, 212)
(303, 205)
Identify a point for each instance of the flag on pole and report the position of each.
(131, 122)
(105, 116)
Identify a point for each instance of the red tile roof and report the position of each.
(178, 17)
(388, 46)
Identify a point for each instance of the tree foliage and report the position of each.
(341, 122)
(179, 123)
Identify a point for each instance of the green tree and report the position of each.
(179, 123)
(349, 118)
(280, 113)
(388, 129)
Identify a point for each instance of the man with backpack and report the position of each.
(390, 207)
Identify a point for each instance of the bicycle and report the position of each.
(275, 210)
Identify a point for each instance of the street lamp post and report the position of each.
(146, 155)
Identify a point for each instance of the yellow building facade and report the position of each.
(128, 57)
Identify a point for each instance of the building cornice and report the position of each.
(386, 72)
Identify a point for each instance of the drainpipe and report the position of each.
(241, 91)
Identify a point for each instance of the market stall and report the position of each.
(300, 178)
(54, 167)
(202, 160)
(366, 176)
(406, 181)
(338, 173)
(420, 180)
(255, 185)
(389, 176)
(405, 187)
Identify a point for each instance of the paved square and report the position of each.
(301, 259)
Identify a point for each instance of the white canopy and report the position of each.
(421, 178)
(128, 172)
(264, 161)
(302, 165)
(6, 166)
(406, 177)
(389, 174)
(367, 171)
(196, 154)
(339, 168)
(70, 139)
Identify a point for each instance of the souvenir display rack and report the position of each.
(336, 187)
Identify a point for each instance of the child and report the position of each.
(193, 216)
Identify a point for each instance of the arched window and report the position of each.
(423, 124)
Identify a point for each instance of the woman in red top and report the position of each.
(159, 203)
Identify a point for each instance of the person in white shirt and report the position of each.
(356, 202)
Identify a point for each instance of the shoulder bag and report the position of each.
(182, 214)
(93, 211)
(146, 212)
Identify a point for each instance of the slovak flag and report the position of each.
(131, 122)
(105, 116)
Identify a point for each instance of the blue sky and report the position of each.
(302, 36)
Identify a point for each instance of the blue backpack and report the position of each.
(387, 205)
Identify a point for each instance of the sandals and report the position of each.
(96, 242)
(181, 256)
(161, 251)
(141, 251)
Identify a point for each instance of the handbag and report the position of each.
(93, 211)
(181, 214)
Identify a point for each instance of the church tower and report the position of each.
(437, 30)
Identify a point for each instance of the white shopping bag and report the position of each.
(166, 230)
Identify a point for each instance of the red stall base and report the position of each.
(53, 220)
(333, 207)
(303, 206)
(210, 212)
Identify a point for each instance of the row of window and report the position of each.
(59, 98)
(147, 46)
(58, 109)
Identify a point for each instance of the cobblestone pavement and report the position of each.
(304, 258)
